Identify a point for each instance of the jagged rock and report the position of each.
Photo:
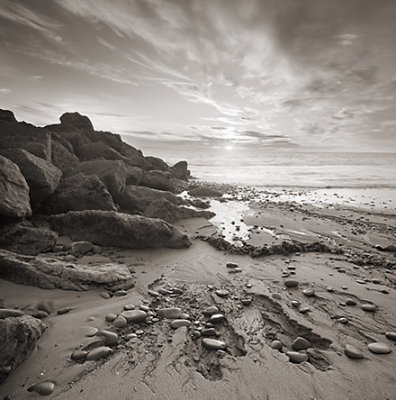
(155, 163)
(198, 203)
(160, 180)
(62, 157)
(137, 198)
(41, 176)
(180, 170)
(112, 173)
(76, 120)
(134, 175)
(164, 209)
(79, 192)
(112, 229)
(6, 115)
(21, 238)
(50, 273)
(203, 191)
(18, 337)
(97, 151)
(14, 191)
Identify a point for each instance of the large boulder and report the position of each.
(112, 173)
(7, 115)
(41, 176)
(18, 338)
(112, 229)
(156, 163)
(160, 180)
(134, 175)
(51, 273)
(14, 191)
(27, 239)
(97, 151)
(170, 212)
(137, 198)
(63, 156)
(76, 120)
(79, 192)
(180, 171)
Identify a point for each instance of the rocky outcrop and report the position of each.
(180, 171)
(97, 151)
(155, 163)
(41, 176)
(18, 338)
(112, 229)
(204, 191)
(76, 120)
(160, 180)
(49, 273)
(112, 173)
(79, 192)
(14, 191)
(8, 116)
(134, 175)
(63, 157)
(170, 212)
(25, 239)
(137, 198)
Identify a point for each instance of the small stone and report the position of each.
(350, 302)
(131, 336)
(330, 289)
(214, 344)
(128, 307)
(231, 265)
(291, 283)
(120, 322)
(144, 308)
(276, 344)
(184, 316)
(295, 303)
(177, 291)
(134, 316)
(208, 332)
(170, 313)
(43, 388)
(391, 335)
(78, 355)
(300, 344)
(210, 310)
(296, 357)
(342, 320)
(110, 317)
(108, 336)
(369, 307)
(153, 293)
(276, 296)
(164, 291)
(309, 292)
(246, 301)
(362, 282)
(177, 323)
(40, 314)
(352, 352)
(139, 332)
(222, 293)
(344, 287)
(195, 334)
(304, 310)
(216, 318)
(90, 331)
(379, 348)
(105, 295)
(9, 312)
(249, 285)
(99, 352)
(64, 310)
(120, 293)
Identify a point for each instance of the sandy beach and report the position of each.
(266, 302)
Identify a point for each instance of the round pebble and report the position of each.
(350, 302)
(214, 344)
(291, 283)
(216, 318)
(309, 292)
(391, 335)
(369, 307)
(110, 317)
(170, 313)
(379, 348)
(304, 310)
(342, 320)
(295, 303)
(330, 289)
(99, 352)
(210, 310)
(120, 293)
(222, 293)
(134, 316)
(43, 388)
(296, 357)
(128, 307)
(90, 331)
(64, 310)
(120, 322)
(177, 323)
(78, 355)
(276, 344)
(108, 336)
(300, 344)
(352, 352)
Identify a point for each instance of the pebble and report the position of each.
(391, 335)
(300, 344)
(184, 316)
(350, 302)
(120, 322)
(105, 295)
(144, 308)
(108, 336)
(342, 320)
(222, 293)
(9, 312)
(330, 289)
(110, 317)
(216, 318)
(309, 292)
(208, 332)
(43, 388)
(135, 316)
(361, 281)
(291, 283)
(40, 314)
(177, 323)
(295, 303)
(128, 307)
(170, 313)
(246, 301)
(231, 265)
(153, 293)
(196, 334)
(345, 287)
(210, 310)
(369, 307)
(120, 293)
(379, 348)
(296, 357)
(131, 336)
(177, 291)
(249, 285)
(276, 344)
(352, 352)
(214, 344)
(304, 310)
(139, 332)
(78, 355)
(64, 310)
(99, 352)
(277, 296)
(90, 331)
(164, 291)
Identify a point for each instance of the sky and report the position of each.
(190, 75)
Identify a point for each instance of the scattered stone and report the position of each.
(350, 302)
(120, 322)
(210, 310)
(177, 323)
(10, 312)
(43, 388)
(105, 295)
(222, 293)
(170, 313)
(109, 337)
(64, 310)
(128, 307)
(343, 320)
(296, 357)
(120, 293)
(139, 332)
(295, 303)
(330, 289)
(164, 291)
(369, 307)
(276, 296)
(300, 344)
(40, 314)
(90, 331)
(276, 344)
(81, 248)
(99, 352)
(184, 316)
(131, 336)
(216, 318)
(379, 348)
(110, 317)
(208, 332)
(144, 308)
(213, 344)
(309, 292)
(247, 301)
(391, 335)
(304, 310)
(249, 285)
(79, 355)
(352, 352)
(291, 283)
(134, 316)
(231, 265)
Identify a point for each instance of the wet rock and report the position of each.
(110, 317)
(164, 291)
(300, 344)
(43, 388)
(343, 320)
(231, 265)
(40, 314)
(180, 171)
(128, 307)
(222, 293)
(309, 292)
(64, 310)
(120, 293)
(99, 352)
(169, 313)
(120, 322)
(204, 191)
(352, 352)
(295, 303)
(330, 289)
(160, 180)
(109, 337)
(134, 316)
(79, 355)
(90, 331)
(10, 312)
(291, 283)
(177, 323)
(379, 348)
(369, 307)
(391, 335)
(213, 344)
(304, 310)
(296, 357)
(216, 318)
(144, 308)
(276, 344)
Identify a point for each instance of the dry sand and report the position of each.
(163, 363)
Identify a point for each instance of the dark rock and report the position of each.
(180, 170)
(10, 312)
(76, 120)
(43, 388)
(198, 203)
(18, 337)
(81, 248)
(41, 176)
(177, 323)
(300, 344)
(204, 191)
(99, 353)
(77, 193)
(62, 157)
(291, 283)
(112, 229)
(6, 115)
(14, 191)
(170, 313)
(134, 175)
(97, 151)
(160, 180)
(156, 164)
(21, 238)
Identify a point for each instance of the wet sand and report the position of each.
(159, 362)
